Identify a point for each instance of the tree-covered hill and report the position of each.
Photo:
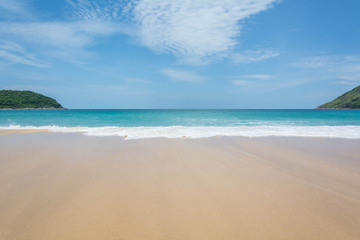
(349, 100)
(10, 99)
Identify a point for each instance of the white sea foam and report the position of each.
(203, 132)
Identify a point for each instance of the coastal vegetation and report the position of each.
(349, 100)
(11, 99)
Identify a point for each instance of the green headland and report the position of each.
(349, 100)
(10, 99)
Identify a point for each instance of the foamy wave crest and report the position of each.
(204, 132)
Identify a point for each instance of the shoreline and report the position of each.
(5, 132)
(198, 132)
(69, 186)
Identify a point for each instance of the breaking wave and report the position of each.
(352, 132)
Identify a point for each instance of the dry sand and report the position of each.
(68, 186)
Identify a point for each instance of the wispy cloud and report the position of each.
(253, 56)
(315, 62)
(345, 69)
(14, 9)
(195, 31)
(183, 75)
(15, 53)
(60, 34)
(67, 39)
(60, 39)
(240, 82)
(110, 11)
(246, 80)
(257, 76)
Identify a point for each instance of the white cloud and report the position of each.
(196, 31)
(183, 75)
(253, 56)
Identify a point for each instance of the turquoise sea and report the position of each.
(189, 123)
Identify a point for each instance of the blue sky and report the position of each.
(181, 53)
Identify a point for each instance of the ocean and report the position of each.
(134, 124)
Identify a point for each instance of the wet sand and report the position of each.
(68, 186)
(4, 132)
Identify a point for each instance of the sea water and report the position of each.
(133, 124)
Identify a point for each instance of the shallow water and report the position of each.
(189, 123)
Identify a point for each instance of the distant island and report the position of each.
(10, 99)
(349, 100)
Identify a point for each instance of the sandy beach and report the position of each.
(69, 186)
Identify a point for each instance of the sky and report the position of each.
(181, 53)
